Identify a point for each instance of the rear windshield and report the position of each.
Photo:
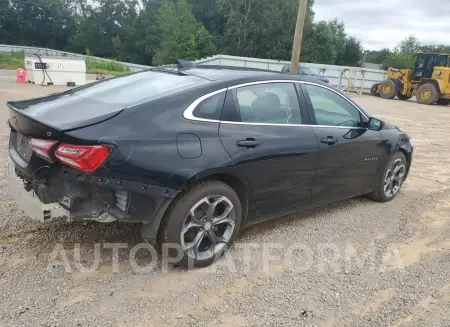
(137, 88)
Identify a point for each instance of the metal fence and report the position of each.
(354, 79)
(51, 52)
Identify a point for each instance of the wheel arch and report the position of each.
(230, 176)
(423, 81)
(398, 84)
(408, 156)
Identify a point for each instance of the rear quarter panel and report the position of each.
(144, 139)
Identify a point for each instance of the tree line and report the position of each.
(404, 54)
(154, 32)
(159, 31)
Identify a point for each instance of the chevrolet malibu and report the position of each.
(196, 154)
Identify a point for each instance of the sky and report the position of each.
(384, 23)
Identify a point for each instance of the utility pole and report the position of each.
(296, 48)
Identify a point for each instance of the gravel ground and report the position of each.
(356, 263)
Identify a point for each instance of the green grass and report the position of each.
(11, 60)
(14, 60)
(110, 67)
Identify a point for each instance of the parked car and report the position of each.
(305, 71)
(196, 155)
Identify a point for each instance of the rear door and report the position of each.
(261, 129)
(349, 152)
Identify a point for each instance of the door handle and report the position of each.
(248, 143)
(330, 140)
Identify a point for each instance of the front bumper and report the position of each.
(29, 203)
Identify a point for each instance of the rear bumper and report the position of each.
(29, 203)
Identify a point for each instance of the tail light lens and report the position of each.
(42, 148)
(85, 158)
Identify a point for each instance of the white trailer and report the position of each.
(52, 70)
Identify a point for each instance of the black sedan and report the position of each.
(197, 154)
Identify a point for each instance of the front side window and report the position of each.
(272, 103)
(331, 109)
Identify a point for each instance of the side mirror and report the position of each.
(374, 124)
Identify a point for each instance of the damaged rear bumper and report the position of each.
(146, 206)
(29, 203)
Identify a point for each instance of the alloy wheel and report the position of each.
(394, 178)
(208, 227)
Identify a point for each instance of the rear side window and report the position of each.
(137, 88)
(210, 108)
(271, 103)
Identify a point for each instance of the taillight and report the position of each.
(82, 157)
(42, 148)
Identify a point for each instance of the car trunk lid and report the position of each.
(49, 117)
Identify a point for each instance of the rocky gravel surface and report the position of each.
(353, 263)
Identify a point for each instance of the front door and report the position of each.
(349, 152)
(261, 129)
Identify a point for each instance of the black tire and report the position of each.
(388, 89)
(443, 102)
(403, 97)
(374, 90)
(177, 213)
(379, 194)
(427, 94)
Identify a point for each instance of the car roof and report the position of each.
(216, 74)
(238, 74)
(288, 65)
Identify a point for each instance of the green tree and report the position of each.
(181, 36)
(261, 28)
(320, 46)
(339, 41)
(353, 52)
(376, 56)
(105, 28)
(400, 61)
(146, 31)
(45, 23)
(409, 45)
(435, 48)
(404, 55)
(273, 38)
(240, 26)
(207, 13)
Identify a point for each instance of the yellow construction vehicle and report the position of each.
(429, 81)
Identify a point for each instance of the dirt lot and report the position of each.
(359, 263)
